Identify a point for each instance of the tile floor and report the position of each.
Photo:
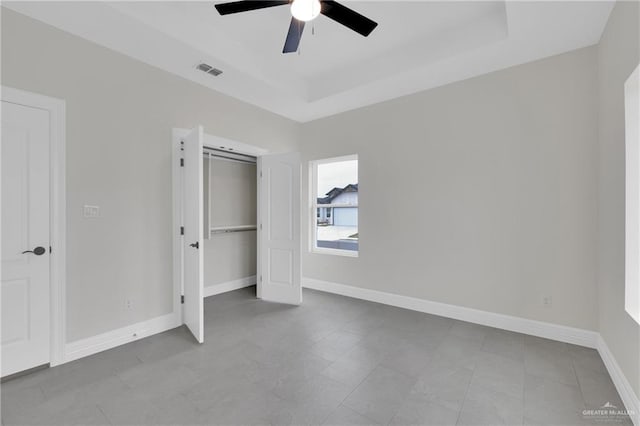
(332, 361)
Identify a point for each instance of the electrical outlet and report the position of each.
(128, 303)
(91, 211)
(547, 301)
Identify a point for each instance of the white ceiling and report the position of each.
(417, 45)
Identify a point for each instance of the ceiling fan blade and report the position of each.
(246, 5)
(293, 36)
(347, 17)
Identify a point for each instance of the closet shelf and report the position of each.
(236, 228)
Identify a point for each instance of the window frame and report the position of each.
(313, 203)
(632, 196)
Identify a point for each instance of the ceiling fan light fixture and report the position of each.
(305, 10)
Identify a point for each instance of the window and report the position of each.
(632, 228)
(334, 206)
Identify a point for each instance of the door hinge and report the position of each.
(260, 278)
(182, 230)
(50, 249)
(182, 299)
(182, 162)
(261, 227)
(260, 173)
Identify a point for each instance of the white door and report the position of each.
(25, 238)
(280, 228)
(193, 311)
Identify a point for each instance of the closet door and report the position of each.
(279, 216)
(193, 312)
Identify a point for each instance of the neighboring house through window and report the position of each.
(335, 206)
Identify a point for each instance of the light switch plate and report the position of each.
(91, 211)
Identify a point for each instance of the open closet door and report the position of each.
(192, 311)
(279, 216)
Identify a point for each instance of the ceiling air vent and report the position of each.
(209, 69)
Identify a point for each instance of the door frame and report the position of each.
(57, 219)
(209, 141)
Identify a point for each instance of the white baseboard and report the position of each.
(113, 338)
(561, 333)
(628, 396)
(89, 346)
(211, 290)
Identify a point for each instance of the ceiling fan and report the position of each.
(304, 11)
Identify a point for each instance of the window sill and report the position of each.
(335, 252)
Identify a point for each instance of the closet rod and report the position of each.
(233, 229)
(224, 151)
(236, 160)
(221, 153)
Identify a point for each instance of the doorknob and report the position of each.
(38, 251)
(195, 245)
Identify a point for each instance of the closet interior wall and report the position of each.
(229, 223)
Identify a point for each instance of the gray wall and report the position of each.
(119, 118)
(506, 193)
(229, 257)
(618, 55)
(481, 193)
(233, 193)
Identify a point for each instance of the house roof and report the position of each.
(331, 195)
